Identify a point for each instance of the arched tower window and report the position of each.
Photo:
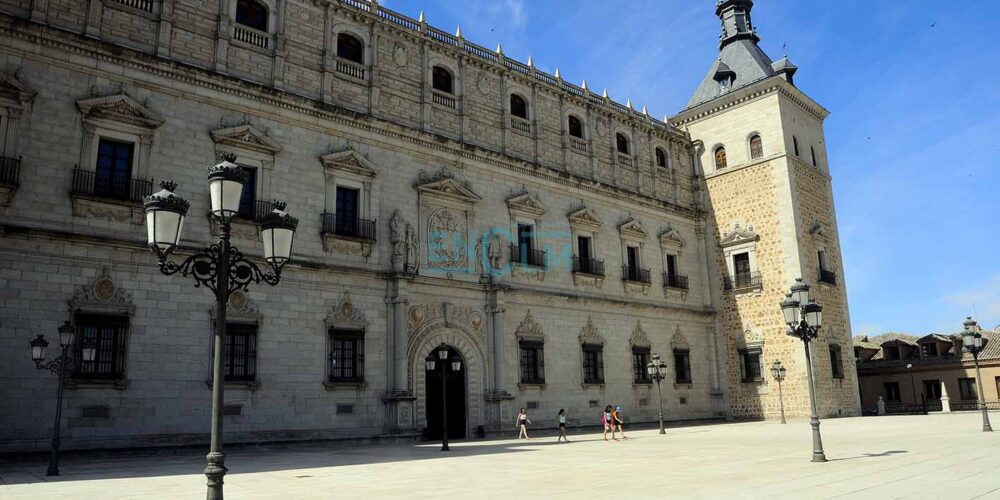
(720, 158)
(251, 14)
(813, 151)
(351, 48)
(661, 158)
(795, 145)
(756, 147)
(622, 143)
(518, 106)
(575, 127)
(443, 80)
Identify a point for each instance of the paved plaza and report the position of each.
(935, 456)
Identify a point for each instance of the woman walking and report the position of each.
(562, 426)
(619, 421)
(522, 423)
(608, 423)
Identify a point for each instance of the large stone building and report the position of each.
(551, 237)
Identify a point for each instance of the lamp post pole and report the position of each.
(973, 342)
(804, 318)
(444, 404)
(778, 372)
(221, 268)
(913, 385)
(656, 369)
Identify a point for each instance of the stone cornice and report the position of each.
(766, 87)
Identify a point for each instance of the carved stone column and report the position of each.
(497, 398)
(398, 399)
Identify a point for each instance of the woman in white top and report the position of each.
(522, 423)
(562, 426)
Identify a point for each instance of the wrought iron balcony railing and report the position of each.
(675, 281)
(525, 255)
(10, 171)
(255, 210)
(105, 185)
(588, 266)
(636, 275)
(743, 281)
(360, 229)
(828, 276)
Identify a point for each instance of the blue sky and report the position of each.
(913, 138)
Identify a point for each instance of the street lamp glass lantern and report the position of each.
(443, 353)
(800, 291)
(650, 369)
(165, 212)
(277, 230)
(814, 314)
(790, 309)
(776, 370)
(456, 364)
(66, 332)
(38, 348)
(88, 350)
(430, 361)
(225, 185)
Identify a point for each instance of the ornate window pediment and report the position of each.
(529, 329)
(632, 229)
(119, 108)
(349, 161)
(585, 218)
(246, 137)
(639, 338)
(103, 295)
(444, 185)
(589, 334)
(345, 315)
(749, 338)
(738, 236)
(671, 238)
(526, 204)
(13, 93)
(679, 341)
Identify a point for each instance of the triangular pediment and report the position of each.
(589, 334)
(585, 217)
(639, 337)
(12, 90)
(679, 341)
(449, 188)
(119, 108)
(633, 229)
(246, 137)
(526, 203)
(738, 236)
(349, 161)
(671, 237)
(529, 329)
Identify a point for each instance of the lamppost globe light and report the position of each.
(66, 332)
(800, 291)
(165, 212)
(277, 229)
(813, 314)
(88, 350)
(431, 362)
(225, 185)
(790, 310)
(456, 364)
(38, 346)
(443, 352)
(650, 369)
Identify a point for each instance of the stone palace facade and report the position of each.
(552, 238)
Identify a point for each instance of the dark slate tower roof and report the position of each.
(741, 62)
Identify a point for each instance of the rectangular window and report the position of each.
(583, 248)
(113, 173)
(532, 362)
(525, 238)
(347, 355)
(632, 254)
(750, 365)
(640, 358)
(891, 391)
(682, 366)
(821, 257)
(240, 352)
(108, 335)
(836, 361)
(741, 266)
(671, 265)
(932, 390)
(967, 389)
(998, 387)
(346, 212)
(813, 151)
(929, 350)
(248, 200)
(890, 353)
(593, 364)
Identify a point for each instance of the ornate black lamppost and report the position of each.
(657, 370)
(220, 267)
(59, 366)
(778, 372)
(974, 343)
(804, 318)
(442, 363)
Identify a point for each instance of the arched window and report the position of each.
(622, 143)
(720, 158)
(442, 80)
(351, 48)
(756, 147)
(518, 106)
(251, 14)
(575, 127)
(813, 151)
(795, 145)
(661, 158)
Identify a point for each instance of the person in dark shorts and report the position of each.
(562, 426)
(522, 424)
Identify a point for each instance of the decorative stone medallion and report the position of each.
(601, 127)
(483, 84)
(238, 300)
(400, 56)
(446, 240)
(104, 289)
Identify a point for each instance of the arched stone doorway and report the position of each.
(451, 388)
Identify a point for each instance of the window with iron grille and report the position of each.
(108, 332)
(347, 355)
(593, 364)
(967, 389)
(532, 362)
(240, 352)
(836, 361)
(682, 366)
(750, 365)
(640, 358)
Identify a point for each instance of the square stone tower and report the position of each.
(767, 189)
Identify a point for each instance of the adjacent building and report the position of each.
(552, 238)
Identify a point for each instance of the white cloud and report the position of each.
(981, 299)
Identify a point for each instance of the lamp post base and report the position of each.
(215, 471)
(819, 456)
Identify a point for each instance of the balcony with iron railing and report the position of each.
(254, 210)
(636, 275)
(10, 171)
(675, 281)
(143, 5)
(527, 256)
(592, 267)
(351, 69)
(346, 227)
(828, 277)
(743, 281)
(251, 36)
(106, 186)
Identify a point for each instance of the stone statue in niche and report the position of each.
(495, 251)
(397, 240)
(412, 256)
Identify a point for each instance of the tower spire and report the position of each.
(736, 22)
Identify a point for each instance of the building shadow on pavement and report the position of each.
(868, 455)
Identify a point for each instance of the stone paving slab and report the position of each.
(913, 457)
